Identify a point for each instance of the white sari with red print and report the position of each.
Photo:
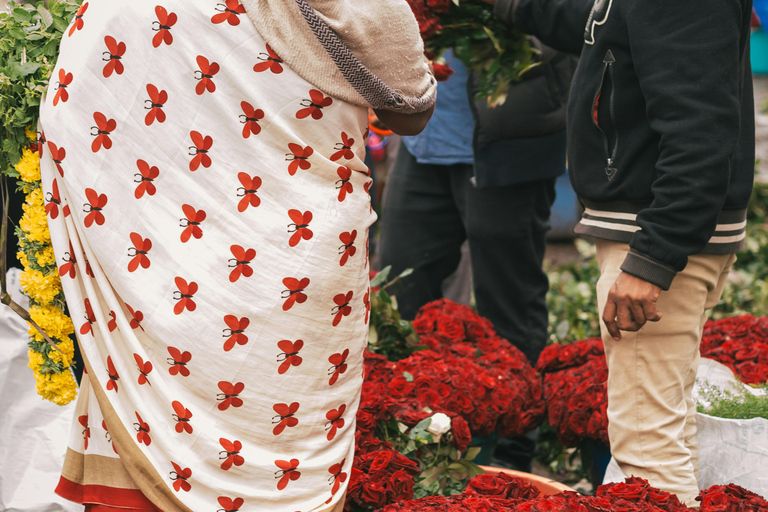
(209, 214)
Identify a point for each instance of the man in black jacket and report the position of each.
(661, 153)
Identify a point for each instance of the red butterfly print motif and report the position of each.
(112, 324)
(289, 355)
(41, 142)
(90, 318)
(58, 155)
(200, 150)
(155, 104)
(178, 361)
(287, 472)
(103, 129)
(179, 478)
(145, 368)
(181, 416)
(241, 263)
(230, 505)
(65, 80)
(83, 420)
(248, 191)
(299, 227)
(343, 185)
(107, 436)
(285, 417)
(113, 57)
(295, 292)
(344, 148)
(142, 431)
(113, 376)
(230, 395)
(163, 26)
(269, 61)
(136, 317)
(235, 331)
(145, 178)
(298, 158)
(205, 75)
(88, 269)
(78, 23)
(231, 454)
(138, 252)
(229, 12)
(339, 366)
(184, 295)
(335, 421)
(314, 106)
(250, 119)
(96, 203)
(342, 307)
(69, 263)
(191, 223)
(337, 476)
(367, 304)
(348, 249)
(53, 199)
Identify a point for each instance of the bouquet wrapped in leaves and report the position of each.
(496, 52)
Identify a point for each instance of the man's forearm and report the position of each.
(557, 23)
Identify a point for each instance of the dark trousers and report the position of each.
(429, 210)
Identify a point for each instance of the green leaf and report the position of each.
(408, 377)
(472, 452)
(381, 277)
(22, 15)
(46, 19)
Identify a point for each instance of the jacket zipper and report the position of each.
(610, 169)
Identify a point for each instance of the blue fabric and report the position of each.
(447, 139)
(761, 7)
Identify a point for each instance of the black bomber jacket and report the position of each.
(660, 121)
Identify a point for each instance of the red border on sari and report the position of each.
(100, 498)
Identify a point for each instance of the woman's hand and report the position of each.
(404, 124)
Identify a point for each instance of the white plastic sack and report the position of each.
(33, 432)
(730, 451)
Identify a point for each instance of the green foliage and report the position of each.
(29, 44)
(740, 404)
(389, 334)
(443, 469)
(572, 300)
(486, 45)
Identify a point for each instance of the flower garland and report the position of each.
(41, 283)
(31, 36)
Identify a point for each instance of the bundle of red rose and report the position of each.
(575, 376)
(469, 371)
(741, 343)
(503, 493)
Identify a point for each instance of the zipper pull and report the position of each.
(610, 170)
(609, 58)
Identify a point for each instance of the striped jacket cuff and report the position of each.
(648, 269)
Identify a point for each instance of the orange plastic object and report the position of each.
(547, 486)
(373, 121)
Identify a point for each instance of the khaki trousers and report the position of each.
(651, 412)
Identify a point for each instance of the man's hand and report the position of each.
(631, 303)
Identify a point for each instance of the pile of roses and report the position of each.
(469, 371)
(740, 343)
(504, 493)
(575, 377)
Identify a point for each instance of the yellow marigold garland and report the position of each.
(41, 283)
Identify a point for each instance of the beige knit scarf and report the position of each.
(367, 52)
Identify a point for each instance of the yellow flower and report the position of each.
(23, 258)
(40, 288)
(52, 320)
(36, 360)
(31, 133)
(59, 388)
(68, 348)
(29, 166)
(46, 257)
(34, 222)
